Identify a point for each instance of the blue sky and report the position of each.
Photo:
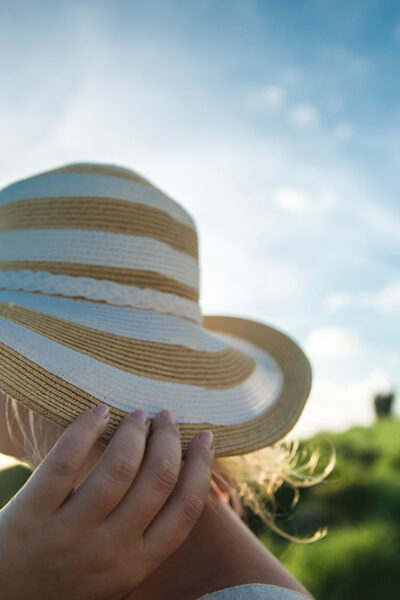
(277, 125)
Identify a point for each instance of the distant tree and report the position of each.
(383, 404)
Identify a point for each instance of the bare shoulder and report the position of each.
(221, 552)
(253, 562)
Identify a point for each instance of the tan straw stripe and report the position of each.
(137, 277)
(165, 362)
(60, 402)
(100, 214)
(277, 421)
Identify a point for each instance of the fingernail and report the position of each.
(206, 438)
(141, 415)
(167, 414)
(102, 410)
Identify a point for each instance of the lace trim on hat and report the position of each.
(108, 291)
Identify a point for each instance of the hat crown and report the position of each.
(101, 232)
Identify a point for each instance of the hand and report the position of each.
(134, 509)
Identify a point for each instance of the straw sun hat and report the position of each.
(99, 304)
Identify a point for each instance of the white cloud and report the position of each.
(380, 220)
(268, 96)
(237, 279)
(343, 132)
(336, 405)
(304, 115)
(295, 200)
(292, 200)
(331, 342)
(392, 360)
(385, 300)
(274, 95)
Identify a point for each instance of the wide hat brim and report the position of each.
(243, 380)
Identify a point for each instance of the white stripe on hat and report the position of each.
(73, 184)
(127, 391)
(126, 322)
(100, 248)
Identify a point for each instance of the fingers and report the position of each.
(111, 477)
(184, 506)
(50, 484)
(154, 483)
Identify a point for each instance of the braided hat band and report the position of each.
(99, 303)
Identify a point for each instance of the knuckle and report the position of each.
(192, 508)
(123, 469)
(145, 557)
(165, 476)
(65, 466)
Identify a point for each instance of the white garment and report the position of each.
(254, 591)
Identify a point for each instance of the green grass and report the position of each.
(360, 504)
(351, 562)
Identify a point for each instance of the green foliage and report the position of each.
(351, 562)
(383, 404)
(360, 504)
(11, 480)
